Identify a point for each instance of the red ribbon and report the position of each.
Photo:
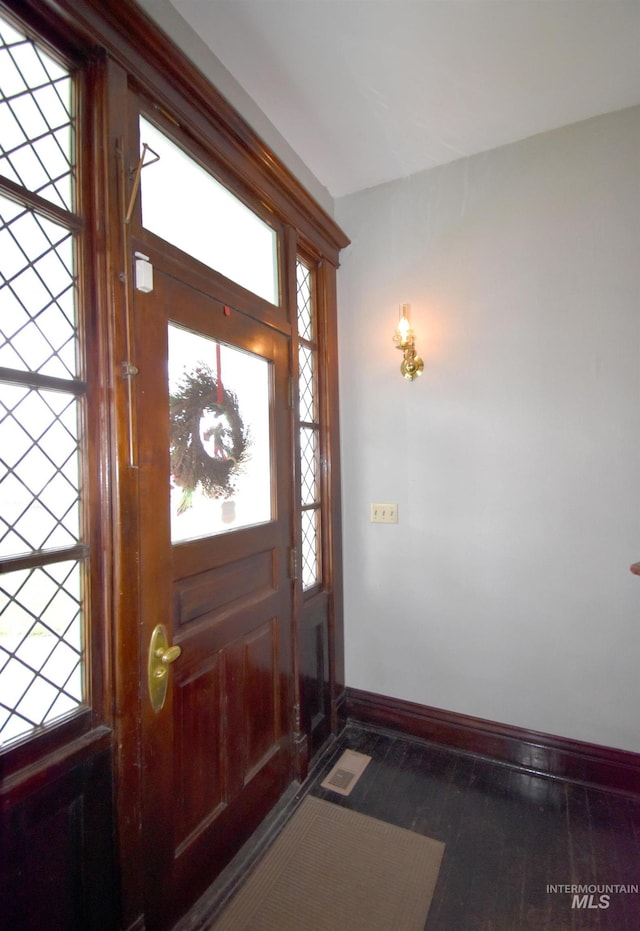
(219, 376)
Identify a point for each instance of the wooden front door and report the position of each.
(215, 483)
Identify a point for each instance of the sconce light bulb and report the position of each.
(412, 365)
(404, 328)
(404, 333)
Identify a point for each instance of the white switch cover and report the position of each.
(384, 514)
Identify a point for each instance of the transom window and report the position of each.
(43, 556)
(186, 206)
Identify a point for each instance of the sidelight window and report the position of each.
(309, 428)
(43, 554)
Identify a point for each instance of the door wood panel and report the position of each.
(250, 577)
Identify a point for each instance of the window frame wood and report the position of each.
(36, 747)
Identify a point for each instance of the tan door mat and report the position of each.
(332, 869)
(346, 772)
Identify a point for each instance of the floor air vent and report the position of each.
(346, 772)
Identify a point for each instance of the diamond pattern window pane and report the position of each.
(309, 435)
(41, 615)
(310, 548)
(36, 119)
(39, 474)
(41, 645)
(309, 466)
(37, 293)
(305, 310)
(307, 384)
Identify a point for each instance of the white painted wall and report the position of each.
(504, 591)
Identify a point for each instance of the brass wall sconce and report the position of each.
(404, 338)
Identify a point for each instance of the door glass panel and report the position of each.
(219, 436)
(184, 204)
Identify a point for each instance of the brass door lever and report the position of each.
(161, 655)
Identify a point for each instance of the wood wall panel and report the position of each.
(315, 673)
(49, 888)
(56, 860)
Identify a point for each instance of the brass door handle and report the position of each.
(161, 655)
(169, 655)
(635, 568)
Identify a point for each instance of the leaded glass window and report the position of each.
(43, 556)
(309, 429)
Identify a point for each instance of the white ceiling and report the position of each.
(366, 91)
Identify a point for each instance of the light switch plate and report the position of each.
(384, 514)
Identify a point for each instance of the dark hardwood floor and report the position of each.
(515, 842)
(509, 837)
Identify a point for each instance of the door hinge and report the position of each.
(294, 567)
(292, 392)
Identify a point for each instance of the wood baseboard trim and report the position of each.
(543, 754)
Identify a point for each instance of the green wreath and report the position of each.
(209, 441)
